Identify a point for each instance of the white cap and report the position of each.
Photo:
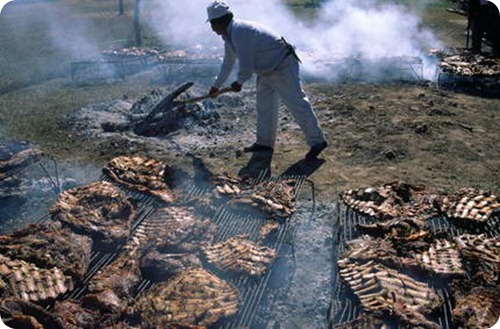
(217, 9)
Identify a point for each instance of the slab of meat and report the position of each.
(159, 266)
(481, 256)
(49, 245)
(399, 229)
(28, 282)
(193, 297)
(442, 258)
(472, 205)
(240, 255)
(386, 291)
(392, 200)
(141, 174)
(74, 316)
(17, 313)
(476, 308)
(16, 154)
(99, 210)
(276, 199)
(175, 229)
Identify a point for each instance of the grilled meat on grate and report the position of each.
(28, 282)
(99, 210)
(17, 313)
(240, 255)
(171, 229)
(403, 229)
(392, 200)
(268, 227)
(469, 204)
(383, 290)
(481, 256)
(276, 199)
(16, 154)
(74, 316)
(442, 258)
(193, 297)
(162, 266)
(141, 174)
(49, 245)
(478, 307)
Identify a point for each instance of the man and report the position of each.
(260, 50)
(479, 21)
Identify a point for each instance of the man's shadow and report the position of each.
(258, 167)
(303, 167)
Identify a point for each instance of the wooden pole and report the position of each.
(137, 26)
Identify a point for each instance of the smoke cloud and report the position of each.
(363, 29)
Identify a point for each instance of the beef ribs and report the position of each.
(49, 245)
(28, 282)
(442, 258)
(194, 297)
(99, 210)
(240, 255)
(481, 257)
(141, 174)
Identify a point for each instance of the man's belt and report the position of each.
(290, 50)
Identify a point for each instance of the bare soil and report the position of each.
(416, 133)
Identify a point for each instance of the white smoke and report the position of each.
(364, 29)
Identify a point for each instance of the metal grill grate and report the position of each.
(344, 304)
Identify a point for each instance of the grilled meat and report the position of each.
(74, 316)
(481, 256)
(240, 255)
(267, 228)
(386, 291)
(476, 308)
(162, 266)
(442, 258)
(17, 313)
(49, 245)
(141, 174)
(193, 297)
(276, 199)
(392, 200)
(99, 210)
(28, 282)
(15, 155)
(171, 229)
(470, 205)
(403, 229)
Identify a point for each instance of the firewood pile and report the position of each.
(102, 259)
(397, 266)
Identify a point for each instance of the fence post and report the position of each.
(137, 27)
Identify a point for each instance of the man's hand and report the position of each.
(213, 92)
(236, 86)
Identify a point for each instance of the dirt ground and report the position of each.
(416, 133)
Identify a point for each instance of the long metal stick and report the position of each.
(218, 93)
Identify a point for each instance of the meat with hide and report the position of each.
(49, 245)
(442, 258)
(99, 210)
(392, 200)
(240, 255)
(367, 248)
(470, 205)
(27, 282)
(161, 266)
(141, 174)
(16, 154)
(194, 297)
(276, 199)
(17, 313)
(383, 290)
(481, 256)
(74, 316)
(477, 307)
(171, 229)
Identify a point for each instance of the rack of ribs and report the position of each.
(18, 313)
(145, 175)
(194, 297)
(481, 256)
(240, 255)
(99, 210)
(28, 282)
(49, 245)
(472, 205)
(392, 200)
(384, 290)
(442, 258)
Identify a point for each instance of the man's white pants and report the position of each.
(284, 84)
